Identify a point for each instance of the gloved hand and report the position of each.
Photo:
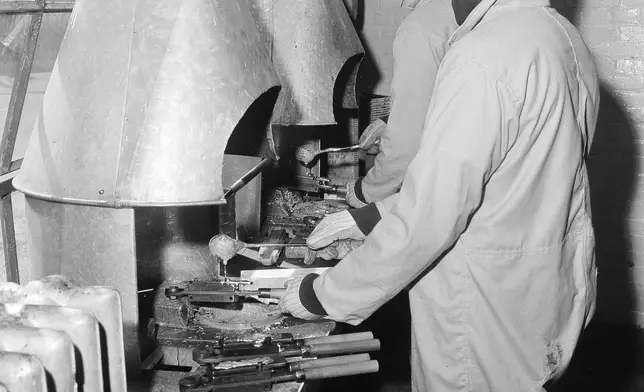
(338, 250)
(370, 139)
(335, 227)
(352, 198)
(292, 301)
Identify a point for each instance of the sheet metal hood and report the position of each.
(313, 44)
(142, 100)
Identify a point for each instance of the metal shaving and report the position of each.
(285, 200)
(318, 209)
(251, 314)
(247, 362)
(286, 197)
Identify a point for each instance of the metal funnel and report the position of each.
(142, 100)
(316, 52)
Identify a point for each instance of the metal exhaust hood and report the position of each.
(142, 100)
(316, 51)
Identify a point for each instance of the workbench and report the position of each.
(176, 346)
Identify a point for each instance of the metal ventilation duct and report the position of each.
(142, 100)
(316, 52)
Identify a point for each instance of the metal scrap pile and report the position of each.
(298, 207)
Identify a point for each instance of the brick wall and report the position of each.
(614, 31)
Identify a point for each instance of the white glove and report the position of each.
(370, 138)
(291, 302)
(335, 227)
(351, 197)
(338, 250)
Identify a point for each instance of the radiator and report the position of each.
(21, 372)
(58, 337)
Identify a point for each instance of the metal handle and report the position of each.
(271, 293)
(275, 245)
(331, 361)
(341, 370)
(359, 346)
(340, 149)
(248, 177)
(349, 337)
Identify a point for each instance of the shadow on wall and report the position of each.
(612, 172)
(607, 356)
(369, 74)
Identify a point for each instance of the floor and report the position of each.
(608, 359)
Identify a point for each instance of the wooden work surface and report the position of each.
(176, 346)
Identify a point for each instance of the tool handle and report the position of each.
(340, 149)
(350, 369)
(331, 361)
(359, 346)
(274, 245)
(349, 337)
(248, 177)
(271, 293)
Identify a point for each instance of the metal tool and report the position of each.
(275, 245)
(225, 247)
(311, 183)
(307, 154)
(219, 292)
(369, 142)
(255, 365)
(276, 277)
(248, 177)
(273, 362)
(259, 379)
(286, 346)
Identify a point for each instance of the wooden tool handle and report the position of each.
(272, 293)
(359, 346)
(349, 337)
(341, 370)
(331, 361)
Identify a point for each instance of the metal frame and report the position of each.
(9, 168)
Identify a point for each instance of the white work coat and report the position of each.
(419, 47)
(492, 224)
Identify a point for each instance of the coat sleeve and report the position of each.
(470, 126)
(387, 204)
(416, 61)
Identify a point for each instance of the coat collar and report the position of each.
(484, 7)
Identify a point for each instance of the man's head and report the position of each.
(462, 8)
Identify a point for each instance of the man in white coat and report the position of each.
(419, 47)
(492, 224)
